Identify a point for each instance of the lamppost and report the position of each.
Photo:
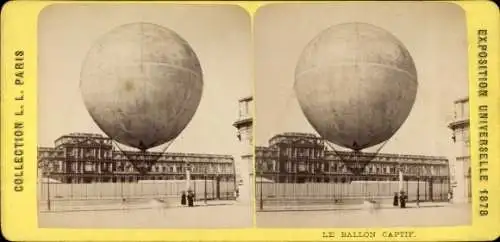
(205, 184)
(47, 174)
(418, 185)
(403, 195)
(235, 184)
(261, 172)
(188, 176)
(48, 191)
(400, 177)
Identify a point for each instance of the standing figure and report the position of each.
(395, 202)
(190, 198)
(418, 199)
(402, 199)
(183, 198)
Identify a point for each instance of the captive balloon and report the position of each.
(356, 84)
(142, 84)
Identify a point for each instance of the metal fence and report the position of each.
(78, 196)
(269, 194)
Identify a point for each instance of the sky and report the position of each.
(433, 33)
(219, 35)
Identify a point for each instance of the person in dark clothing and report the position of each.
(395, 202)
(190, 198)
(402, 200)
(183, 198)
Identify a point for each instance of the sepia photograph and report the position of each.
(362, 117)
(144, 116)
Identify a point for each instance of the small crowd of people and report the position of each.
(189, 198)
(402, 198)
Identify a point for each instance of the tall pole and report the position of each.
(188, 176)
(122, 180)
(48, 189)
(400, 178)
(418, 186)
(261, 180)
(235, 176)
(205, 185)
(450, 189)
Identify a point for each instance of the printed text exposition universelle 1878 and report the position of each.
(482, 82)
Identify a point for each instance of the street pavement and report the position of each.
(231, 214)
(153, 214)
(352, 216)
(118, 204)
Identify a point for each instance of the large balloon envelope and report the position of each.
(356, 84)
(142, 84)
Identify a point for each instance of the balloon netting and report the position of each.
(142, 161)
(355, 161)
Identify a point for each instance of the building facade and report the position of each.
(461, 170)
(303, 158)
(88, 158)
(244, 126)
